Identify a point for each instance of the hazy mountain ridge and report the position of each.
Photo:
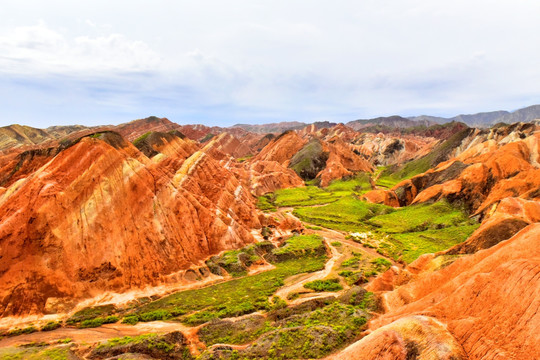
(486, 119)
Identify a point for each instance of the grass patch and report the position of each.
(300, 244)
(266, 202)
(141, 138)
(91, 313)
(324, 285)
(381, 264)
(358, 185)
(36, 353)
(313, 195)
(421, 217)
(347, 214)
(304, 196)
(92, 323)
(127, 340)
(234, 332)
(409, 246)
(235, 297)
(244, 158)
(21, 331)
(51, 325)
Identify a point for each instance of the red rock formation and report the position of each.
(229, 144)
(480, 176)
(415, 337)
(102, 216)
(133, 129)
(269, 176)
(488, 301)
(341, 162)
(381, 197)
(510, 216)
(282, 148)
(383, 149)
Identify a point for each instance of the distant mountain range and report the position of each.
(390, 121)
(486, 119)
(281, 127)
(483, 119)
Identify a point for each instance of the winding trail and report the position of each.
(299, 280)
(294, 284)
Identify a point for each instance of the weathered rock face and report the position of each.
(310, 160)
(133, 129)
(312, 152)
(511, 215)
(100, 215)
(282, 148)
(269, 176)
(383, 149)
(381, 197)
(229, 144)
(480, 176)
(487, 301)
(342, 162)
(415, 337)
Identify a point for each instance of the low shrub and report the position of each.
(130, 319)
(51, 325)
(17, 331)
(324, 285)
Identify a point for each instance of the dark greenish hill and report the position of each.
(309, 160)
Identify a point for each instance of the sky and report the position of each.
(251, 61)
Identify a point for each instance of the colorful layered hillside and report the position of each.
(481, 306)
(101, 215)
(324, 154)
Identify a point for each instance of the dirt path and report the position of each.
(329, 235)
(298, 282)
(100, 333)
(105, 332)
(335, 235)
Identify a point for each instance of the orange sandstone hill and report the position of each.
(135, 220)
(481, 306)
(86, 211)
(480, 298)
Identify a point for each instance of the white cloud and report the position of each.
(305, 60)
(39, 49)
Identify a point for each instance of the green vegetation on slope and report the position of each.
(36, 353)
(301, 244)
(309, 330)
(409, 246)
(313, 195)
(402, 234)
(420, 217)
(232, 298)
(347, 214)
(309, 160)
(392, 175)
(324, 285)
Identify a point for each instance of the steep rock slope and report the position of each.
(488, 301)
(282, 148)
(100, 215)
(322, 153)
(136, 128)
(342, 161)
(18, 135)
(476, 168)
